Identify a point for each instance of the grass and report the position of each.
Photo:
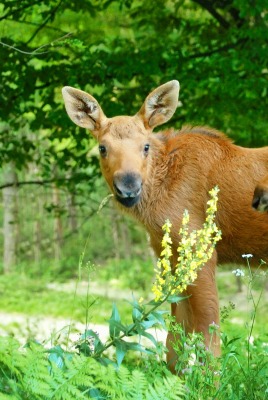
(36, 298)
(239, 320)
(33, 297)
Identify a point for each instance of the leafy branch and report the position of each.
(141, 322)
(50, 16)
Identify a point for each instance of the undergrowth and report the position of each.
(92, 368)
(37, 373)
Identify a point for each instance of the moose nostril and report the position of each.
(118, 191)
(127, 185)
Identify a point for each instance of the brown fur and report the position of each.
(177, 174)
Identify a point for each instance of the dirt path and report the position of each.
(108, 289)
(45, 328)
(50, 331)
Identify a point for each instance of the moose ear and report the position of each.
(83, 109)
(160, 104)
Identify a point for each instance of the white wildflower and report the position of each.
(238, 272)
(247, 255)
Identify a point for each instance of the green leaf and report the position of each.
(95, 394)
(158, 315)
(97, 344)
(136, 314)
(121, 350)
(149, 323)
(129, 331)
(114, 323)
(175, 299)
(57, 355)
(88, 334)
(136, 304)
(154, 303)
(150, 337)
(138, 347)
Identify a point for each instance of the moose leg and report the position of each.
(198, 312)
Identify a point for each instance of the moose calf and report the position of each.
(155, 177)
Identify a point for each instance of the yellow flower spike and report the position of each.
(195, 249)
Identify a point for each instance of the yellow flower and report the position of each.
(194, 250)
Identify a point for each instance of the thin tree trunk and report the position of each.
(72, 212)
(10, 219)
(37, 230)
(57, 224)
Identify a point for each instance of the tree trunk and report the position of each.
(10, 219)
(37, 230)
(57, 223)
(72, 212)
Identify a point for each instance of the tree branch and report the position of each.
(208, 6)
(53, 11)
(52, 28)
(35, 52)
(217, 50)
(40, 182)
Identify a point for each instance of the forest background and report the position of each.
(117, 50)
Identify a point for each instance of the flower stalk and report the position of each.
(194, 251)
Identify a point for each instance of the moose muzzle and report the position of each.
(127, 187)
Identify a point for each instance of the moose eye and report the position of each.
(146, 149)
(102, 150)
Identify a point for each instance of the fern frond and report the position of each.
(169, 388)
(29, 373)
(139, 385)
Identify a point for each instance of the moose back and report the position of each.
(155, 177)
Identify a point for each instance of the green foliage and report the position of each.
(230, 377)
(36, 373)
(241, 370)
(121, 50)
